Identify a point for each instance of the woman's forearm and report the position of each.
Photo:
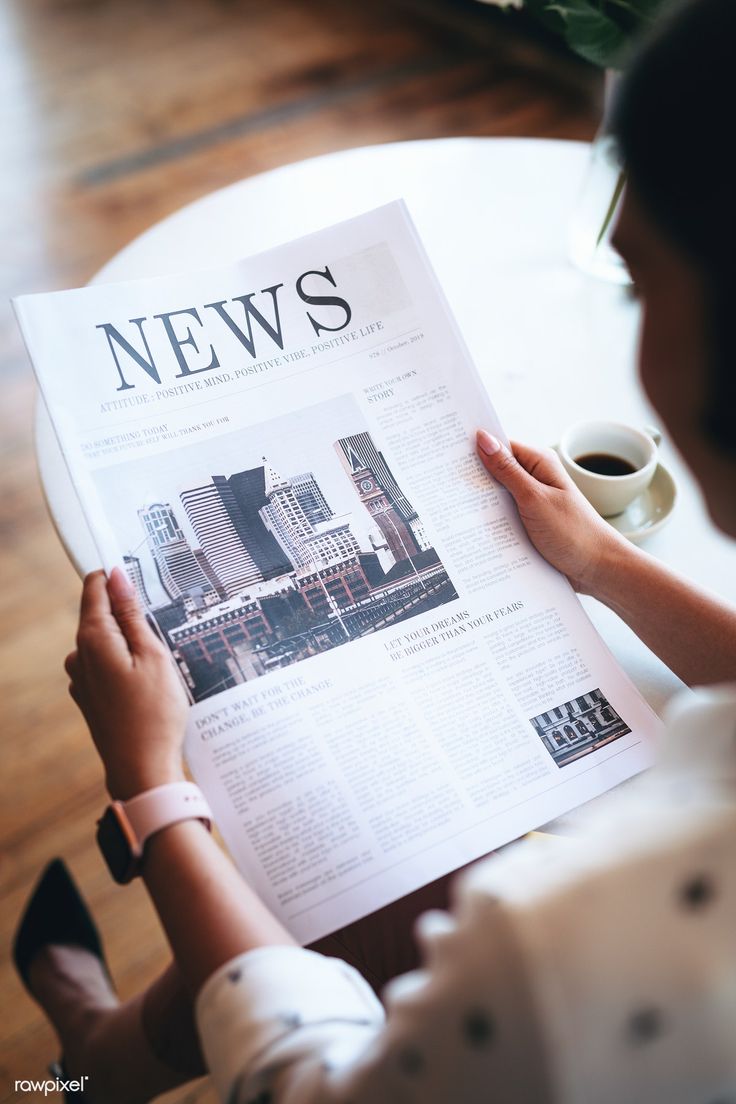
(209, 913)
(690, 630)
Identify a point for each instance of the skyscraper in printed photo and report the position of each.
(303, 541)
(180, 571)
(132, 565)
(310, 498)
(249, 495)
(210, 509)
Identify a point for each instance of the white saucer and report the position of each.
(651, 510)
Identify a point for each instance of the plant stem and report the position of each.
(612, 206)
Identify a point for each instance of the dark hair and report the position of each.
(674, 119)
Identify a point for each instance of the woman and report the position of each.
(577, 971)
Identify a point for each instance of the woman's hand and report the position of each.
(560, 522)
(124, 682)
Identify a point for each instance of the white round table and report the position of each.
(552, 344)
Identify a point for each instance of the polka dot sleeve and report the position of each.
(274, 998)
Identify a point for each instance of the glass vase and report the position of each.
(594, 216)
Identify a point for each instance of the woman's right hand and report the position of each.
(124, 682)
(559, 520)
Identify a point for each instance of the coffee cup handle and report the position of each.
(654, 433)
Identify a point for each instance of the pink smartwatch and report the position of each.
(125, 826)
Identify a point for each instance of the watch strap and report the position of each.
(162, 806)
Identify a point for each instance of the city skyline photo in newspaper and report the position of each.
(256, 549)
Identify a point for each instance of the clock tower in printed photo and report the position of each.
(380, 494)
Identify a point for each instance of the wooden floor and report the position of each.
(115, 113)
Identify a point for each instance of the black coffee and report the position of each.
(602, 463)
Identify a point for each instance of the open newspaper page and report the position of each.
(386, 680)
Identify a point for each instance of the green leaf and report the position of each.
(638, 14)
(539, 9)
(588, 31)
(647, 9)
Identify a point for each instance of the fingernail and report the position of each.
(487, 443)
(120, 583)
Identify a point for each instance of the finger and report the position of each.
(99, 636)
(503, 466)
(94, 601)
(543, 464)
(128, 612)
(71, 664)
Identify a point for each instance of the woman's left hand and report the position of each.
(559, 521)
(124, 682)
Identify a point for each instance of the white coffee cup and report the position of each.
(637, 448)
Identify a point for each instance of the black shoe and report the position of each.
(54, 914)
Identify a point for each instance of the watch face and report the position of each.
(116, 842)
(366, 485)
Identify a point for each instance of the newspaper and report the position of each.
(387, 681)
